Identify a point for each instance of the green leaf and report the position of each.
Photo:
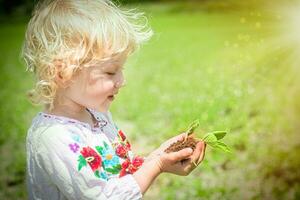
(103, 165)
(105, 145)
(210, 138)
(99, 149)
(81, 162)
(222, 146)
(219, 134)
(212, 144)
(112, 170)
(192, 127)
(97, 173)
(118, 167)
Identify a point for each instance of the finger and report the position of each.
(185, 136)
(181, 155)
(202, 153)
(172, 140)
(188, 165)
(193, 160)
(197, 152)
(179, 137)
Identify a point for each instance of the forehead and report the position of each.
(114, 61)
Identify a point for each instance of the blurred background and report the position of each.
(232, 64)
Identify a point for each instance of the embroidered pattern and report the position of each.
(129, 167)
(74, 147)
(123, 150)
(101, 124)
(108, 160)
(90, 156)
(76, 137)
(111, 162)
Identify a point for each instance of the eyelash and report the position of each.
(113, 73)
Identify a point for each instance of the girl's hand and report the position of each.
(165, 145)
(181, 162)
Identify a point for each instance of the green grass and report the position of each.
(205, 65)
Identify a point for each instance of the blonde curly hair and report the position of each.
(65, 35)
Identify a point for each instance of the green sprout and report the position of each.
(212, 138)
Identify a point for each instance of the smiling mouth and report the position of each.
(111, 97)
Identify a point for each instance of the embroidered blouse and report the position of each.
(69, 159)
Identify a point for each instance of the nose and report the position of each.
(120, 82)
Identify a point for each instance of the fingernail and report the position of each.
(203, 145)
(189, 150)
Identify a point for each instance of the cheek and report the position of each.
(100, 87)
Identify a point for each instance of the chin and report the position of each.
(103, 108)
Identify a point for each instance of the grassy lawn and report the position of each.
(218, 66)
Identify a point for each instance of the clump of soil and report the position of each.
(190, 142)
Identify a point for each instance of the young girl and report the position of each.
(76, 49)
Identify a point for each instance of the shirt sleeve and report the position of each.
(75, 168)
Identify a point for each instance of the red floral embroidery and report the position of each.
(135, 165)
(121, 151)
(122, 135)
(128, 145)
(137, 161)
(123, 146)
(124, 166)
(122, 173)
(124, 139)
(131, 167)
(91, 157)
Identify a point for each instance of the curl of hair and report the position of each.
(65, 35)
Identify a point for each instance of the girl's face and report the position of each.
(95, 87)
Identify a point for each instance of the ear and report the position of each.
(60, 79)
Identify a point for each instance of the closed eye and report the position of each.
(110, 73)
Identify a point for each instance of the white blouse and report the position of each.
(69, 159)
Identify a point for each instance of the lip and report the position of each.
(111, 97)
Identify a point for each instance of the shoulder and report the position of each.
(50, 136)
(54, 132)
(48, 132)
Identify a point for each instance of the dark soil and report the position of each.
(179, 145)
